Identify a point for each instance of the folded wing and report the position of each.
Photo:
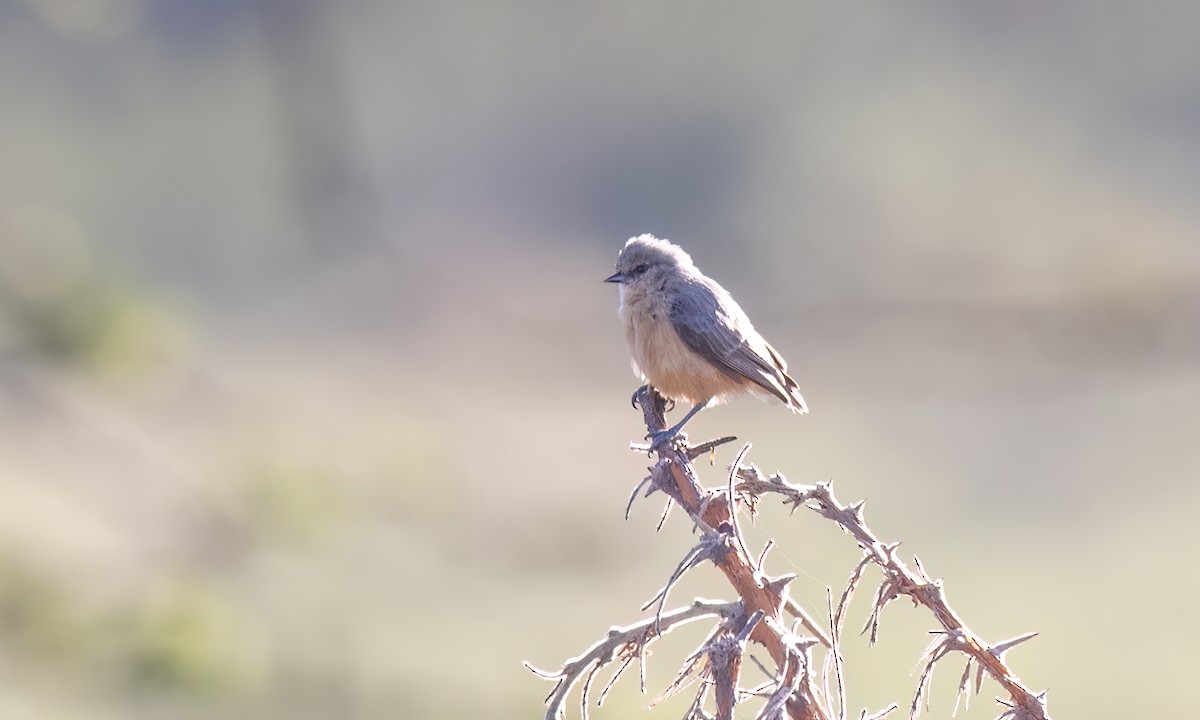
(712, 325)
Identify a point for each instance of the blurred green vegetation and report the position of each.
(36, 616)
(186, 639)
(290, 503)
(313, 404)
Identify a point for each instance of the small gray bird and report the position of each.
(688, 337)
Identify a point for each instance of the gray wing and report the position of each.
(713, 326)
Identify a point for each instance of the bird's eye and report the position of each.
(641, 269)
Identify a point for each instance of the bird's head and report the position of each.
(647, 262)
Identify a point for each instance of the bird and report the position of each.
(688, 338)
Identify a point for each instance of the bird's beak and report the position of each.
(615, 278)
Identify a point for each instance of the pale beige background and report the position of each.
(313, 405)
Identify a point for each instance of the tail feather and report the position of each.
(795, 399)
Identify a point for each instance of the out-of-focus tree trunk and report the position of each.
(326, 178)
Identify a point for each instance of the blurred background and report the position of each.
(313, 405)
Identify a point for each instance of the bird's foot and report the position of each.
(663, 439)
(649, 392)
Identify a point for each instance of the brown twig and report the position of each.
(623, 643)
(698, 554)
(901, 580)
(675, 475)
(759, 615)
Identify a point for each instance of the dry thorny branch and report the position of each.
(760, 615)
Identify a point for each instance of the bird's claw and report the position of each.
(661, 439)
(633, 399)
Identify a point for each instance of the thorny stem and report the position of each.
(759, 614)
(902, 580)
(623, 642)
(675, 475)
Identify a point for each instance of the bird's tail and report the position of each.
(790, 394)
(795, 401)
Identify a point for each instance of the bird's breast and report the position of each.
(662, 359)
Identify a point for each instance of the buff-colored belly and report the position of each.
(664, 361)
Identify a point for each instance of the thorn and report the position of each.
(761, 667)
(921, 571)
(962, 695)
(857, 509)
(777, 585)
(1000, 648)
(666, 512)
(633, 495)
(710, 446)
(877, 716)
(638, 447)
(763, 555)
(804, 642)
(537, 671)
